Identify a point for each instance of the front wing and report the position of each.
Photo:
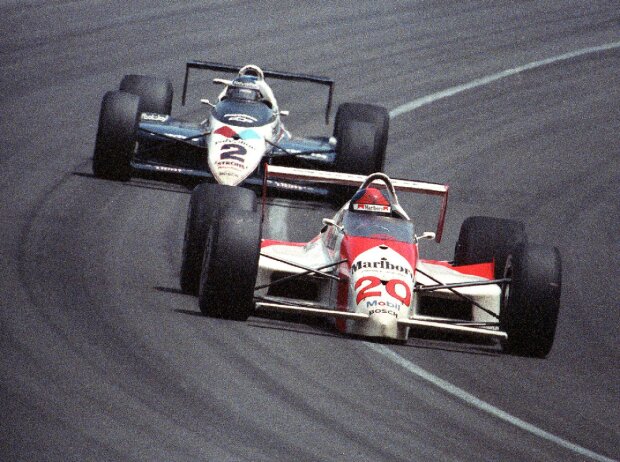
(268, 304)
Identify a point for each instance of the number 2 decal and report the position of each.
(391, 287)
(233, 151)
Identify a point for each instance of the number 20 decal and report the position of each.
(391, 288)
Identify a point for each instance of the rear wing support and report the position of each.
(350, 179)
(219, 67)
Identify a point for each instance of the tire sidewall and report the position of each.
(116, 136)
(205, 203)
(230, 265)
(531, 301)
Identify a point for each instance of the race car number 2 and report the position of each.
(395, 288)
(233, 151)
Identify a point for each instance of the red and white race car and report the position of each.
(364, 269)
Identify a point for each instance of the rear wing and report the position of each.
(350, 179)
(208, 65)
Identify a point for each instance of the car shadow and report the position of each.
(145, 182)
(270, 323)
(276, 323)
(189, 312)
(322, 327)
(169, 290)
(454, 346)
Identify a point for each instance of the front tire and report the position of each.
(116, 136)
(205, 202)
(531, 301)
(230, 266)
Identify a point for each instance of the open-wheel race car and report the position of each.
(364, 269)
(242, 131)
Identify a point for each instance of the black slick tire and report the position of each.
(155, 93)
(230, 266)
(116, 136)
(531, 302)
(484, 239)
(361, 132)
(205, 202)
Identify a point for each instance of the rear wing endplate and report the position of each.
(350, 179)
(208, 65)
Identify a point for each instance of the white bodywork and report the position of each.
(488, 296)
(236, 149)
(232, 158)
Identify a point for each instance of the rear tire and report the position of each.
(230, 266)
(531, 302)
(116, 136)
(155, 93)
(361, 132)
(205, 202)
(483, 239)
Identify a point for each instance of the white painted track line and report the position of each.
(416, 103)
(480, 404)
(431, 378)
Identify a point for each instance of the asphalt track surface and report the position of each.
(102, 358)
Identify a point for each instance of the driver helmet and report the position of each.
(244, 88)
(371, 200)
(252, 70)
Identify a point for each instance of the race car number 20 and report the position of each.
(395, 288)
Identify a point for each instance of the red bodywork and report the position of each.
(354, 246)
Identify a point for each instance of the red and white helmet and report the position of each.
(370, 200)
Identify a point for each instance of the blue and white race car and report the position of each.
(242, 131)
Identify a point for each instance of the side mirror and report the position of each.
(207, 102)
(426, 235)
(330, 222)
(284, 113)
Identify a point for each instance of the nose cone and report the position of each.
(381, 286)
(234, 155)
(383, 325)
(379, 324)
